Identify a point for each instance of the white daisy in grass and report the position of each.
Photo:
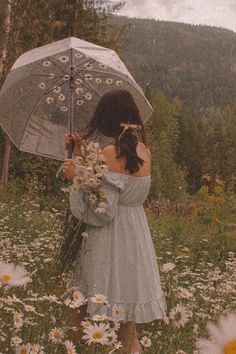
(117, 346)
(70, 347)
(64, 109)
(96, 333)
(46, 63)
(23, 349)
(79, 90)
(85, 324)
(57, 89)
(98, 80)
(113, 336)
(78, 296)
(49, 99)
(100, 317)
(29, 308)
(61, 97)
(167, 267)
(79, 102)
(42, 85)
(99, 299)
(180, 315)
(37, 349)
(73, 304)
(63, 58)
(88, 96)
(222, 334)
(51, 76)
(56, 335)
(88, 77)
(13, 275)
(16, 340)
(109, 81)
(146, 342)
(18, 319)
(184, 293)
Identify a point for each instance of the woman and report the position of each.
(118, 257)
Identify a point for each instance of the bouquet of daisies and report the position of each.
(89, 168)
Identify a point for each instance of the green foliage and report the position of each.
(194, 63)
(163, 135)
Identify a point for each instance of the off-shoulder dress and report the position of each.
(118, 257)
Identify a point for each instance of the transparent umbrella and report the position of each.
(55, 88)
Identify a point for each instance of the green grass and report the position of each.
(202, 246)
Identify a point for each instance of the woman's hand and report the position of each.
(78, 142)
(69, 169)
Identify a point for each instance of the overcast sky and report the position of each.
(220, 13)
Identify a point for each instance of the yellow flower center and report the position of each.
(99, 299)
(6, 278)
(230, 348)
(23, 351)
(97, 335)
(57, 334)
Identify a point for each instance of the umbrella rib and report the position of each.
(93, 88)
(65, 72)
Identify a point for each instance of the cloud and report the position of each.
(220, 13)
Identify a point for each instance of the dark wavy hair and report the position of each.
(115, 107)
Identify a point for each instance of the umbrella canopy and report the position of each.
(55, 88)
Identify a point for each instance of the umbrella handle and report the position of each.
(71, 148)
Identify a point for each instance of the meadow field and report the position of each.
(196, 254)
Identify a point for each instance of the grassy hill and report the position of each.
(195, 63)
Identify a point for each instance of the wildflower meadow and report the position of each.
(196, 255)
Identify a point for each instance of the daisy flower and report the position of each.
(222, 334)
(56, 335)
(99, 299)
(18, 319)
(88, 96)
(51, 76)
(100, 317)
(79, 102)
(97, 334)
(180, 315)
(98, 80)
(61, 97)
(167, 267)
(46, 63)
(23, 349)
(102, 66)
(78, 296)
(88, 77)
(57, 89)
(79, 90)
(37, 349)
(42, 85)
(13, 275)
(78, 55)
(64, 58)
(64, 109)
(146, 342)
(49, 99)
(109, 81)
(119, 83)
(71, 349)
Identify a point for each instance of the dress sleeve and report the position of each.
(83, 210)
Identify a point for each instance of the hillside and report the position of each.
(196, 63)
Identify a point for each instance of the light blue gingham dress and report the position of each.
(118, 258)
